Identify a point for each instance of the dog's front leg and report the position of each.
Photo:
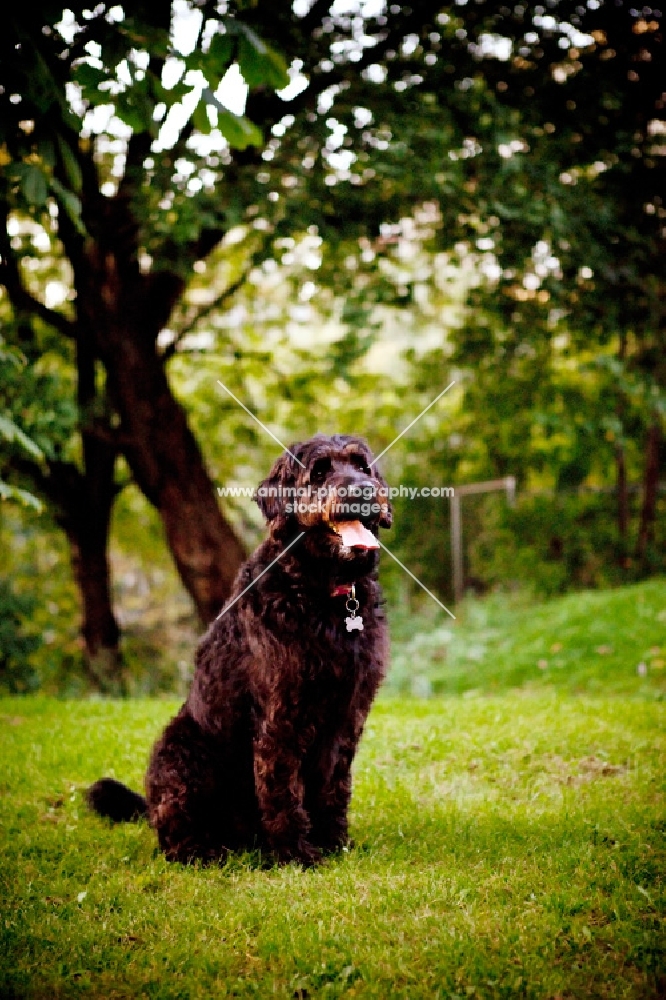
(280, 793)
(329, 793)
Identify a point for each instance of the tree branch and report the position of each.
(138, 146)
(56, 481)
(205, 311)
(314, 16)
(268, 107)
(21, 299)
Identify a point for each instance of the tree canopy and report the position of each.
(374, 154)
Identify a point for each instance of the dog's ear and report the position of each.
(270, 496)
(386, 516)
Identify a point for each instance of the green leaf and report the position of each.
(237, 130)
(158, 90)
(47, 153)
(200, 118)
(12, 357)
(12, 433)
(258, 63)
(135, 108)
(33, 184)
(220, 53)
(70, 202)
(89, 79)
(70, 163)
(8, 492)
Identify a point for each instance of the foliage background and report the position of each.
(456, 192)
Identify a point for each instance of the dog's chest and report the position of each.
(331, 650)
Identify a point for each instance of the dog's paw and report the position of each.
(309, 855)
(303, 853)
(338, 845)
(331, 838)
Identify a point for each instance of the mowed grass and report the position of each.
(596, 642)
(507, 845)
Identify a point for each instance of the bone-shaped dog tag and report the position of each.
(354, 621)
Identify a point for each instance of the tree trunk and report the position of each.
(88, 531)
(82, 503)
(168, 467)
(622, 506)
(650, 490)
(89, 543)
(81, 500)
(121, 312)
(100, 630)
(621, 469)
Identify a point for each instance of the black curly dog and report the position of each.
(260, 754)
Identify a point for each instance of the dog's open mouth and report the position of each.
(354, 535)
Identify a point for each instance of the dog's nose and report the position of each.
(359, 492)
(359, 487)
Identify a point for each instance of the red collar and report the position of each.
(342, 590)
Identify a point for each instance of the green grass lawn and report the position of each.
(508, 844)
(594, 642)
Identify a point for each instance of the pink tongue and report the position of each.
(355, 535)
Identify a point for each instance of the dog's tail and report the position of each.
(109, 797)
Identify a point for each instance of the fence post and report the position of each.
(456, 548)
(457, 556)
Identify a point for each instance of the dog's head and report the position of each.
(328, 487)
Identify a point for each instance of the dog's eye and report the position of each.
(320, 470)
(359, 463)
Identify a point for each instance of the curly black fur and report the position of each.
(114, 800)
(260, 754)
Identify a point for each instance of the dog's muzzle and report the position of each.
(350, 507)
